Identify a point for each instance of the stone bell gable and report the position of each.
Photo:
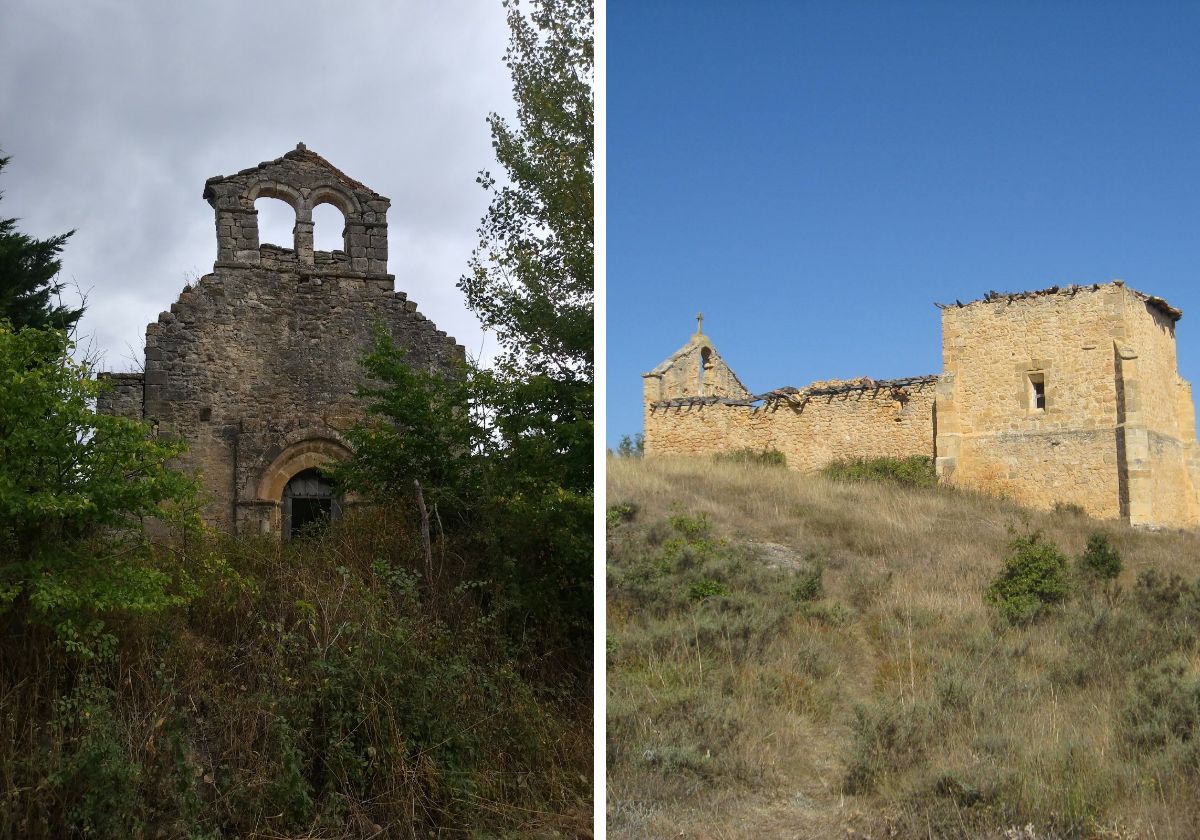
(303, 179)
(257, 365)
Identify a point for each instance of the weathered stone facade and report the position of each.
(1067, 395)
(256, 366)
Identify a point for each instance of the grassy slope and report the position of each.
(895, 704)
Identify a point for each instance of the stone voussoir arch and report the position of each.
(308, 452)
(334, 194)
(269, 188)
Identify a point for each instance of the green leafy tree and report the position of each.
(531, 282)
(1100, 561)
(74, 486)
(28, 268)
(531, 276)
(631, 447)
(510, 448)
(423, 426)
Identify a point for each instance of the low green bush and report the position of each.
(620, 512)
(1100, 561)
(1034, 577)
(807, 585)
(1163, 706)
(913, 471)
(701, 589)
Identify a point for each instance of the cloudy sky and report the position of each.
(116, 111)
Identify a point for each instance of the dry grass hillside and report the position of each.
(791, 656)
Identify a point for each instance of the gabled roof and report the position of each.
(301, 154)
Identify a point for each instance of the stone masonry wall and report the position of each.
(1158, 417)
(811, 431)
(121, 395)
(1065, 395)
(990, 434)
(695, 370)
(257, 365)
(1113, 436)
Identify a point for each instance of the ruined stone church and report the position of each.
(256, 366)
(1065, 395)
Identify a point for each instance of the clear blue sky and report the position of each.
(813, 176)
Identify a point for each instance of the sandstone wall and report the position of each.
(1157, 418)
(811, 432)
(992, 436)
(1067, 395)
(1116, 435)
(695, 370)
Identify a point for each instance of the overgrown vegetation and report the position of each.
(821, 658)
(325, 688)
(913, 471)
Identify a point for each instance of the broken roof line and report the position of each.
(791, 394)
(1070, 290)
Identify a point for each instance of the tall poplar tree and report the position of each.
(531, 283)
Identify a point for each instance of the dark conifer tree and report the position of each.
(28, 270)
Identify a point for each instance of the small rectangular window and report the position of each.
(1037, 391)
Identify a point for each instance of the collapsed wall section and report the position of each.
(811, 427)
(121, 395)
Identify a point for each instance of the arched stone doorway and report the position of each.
(292, 492)
(309, 504)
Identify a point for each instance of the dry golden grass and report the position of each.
(897, 704)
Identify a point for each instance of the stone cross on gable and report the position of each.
(699, 323)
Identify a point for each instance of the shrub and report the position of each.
(886, 738)
(808, 586)
(1164, 705)
(1033, 578)
(913, 471)
(1069, 509)
(691, 527)
(702, 589)
(765, 457)
(620, 512)
(1100, 561)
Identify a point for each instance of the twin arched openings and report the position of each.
(277, 225)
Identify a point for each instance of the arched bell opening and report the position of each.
(309, 504)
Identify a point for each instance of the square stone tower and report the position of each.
(257, 366)
(1069, 395)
